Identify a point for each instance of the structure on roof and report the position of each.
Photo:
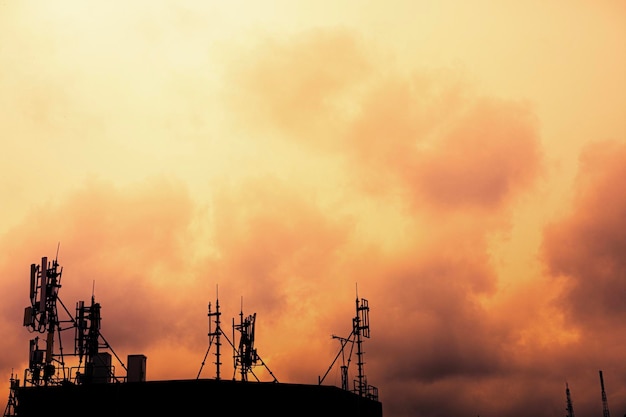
(570, 407)
(245, 356)
(605, 403)
(360, 330)
(86, 381)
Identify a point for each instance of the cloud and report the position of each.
(130, 245)
(583, 255)
(388, 180)
(445, 163)
(300, 86)
(270, 236)
(425, 134)
(444, 148)
(586, 246)
(489, 154)
(279, 250)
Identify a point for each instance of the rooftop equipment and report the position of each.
(360, 330)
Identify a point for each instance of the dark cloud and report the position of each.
(583, 253)
(587, 246)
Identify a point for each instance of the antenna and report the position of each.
(360, 329)
(214, 317)
(246, 355)
(46, 366)
(570, 408)
(12, 402)
(41, 316)
(217, 333)
(56, 258)
(605, 405)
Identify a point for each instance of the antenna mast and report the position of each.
(246, 356)
(12, 403)
(46, 367)
(42, 317)
(360, 329)
(217, 334)
(605, 404)
(570, 408)
(214, 335)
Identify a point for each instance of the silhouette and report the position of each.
(87, 382)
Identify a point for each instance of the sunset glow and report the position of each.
(461, 163)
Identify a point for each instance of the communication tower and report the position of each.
(217, 335)
(605, 404)
(12, 403)
(41, 316)
(360, 330)
(214, 338)
(245, 355)
(570, 407)
(46, 365)
(88, 342)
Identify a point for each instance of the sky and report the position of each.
(458, 164)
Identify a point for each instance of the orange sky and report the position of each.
(462, 162)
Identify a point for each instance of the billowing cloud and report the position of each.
(583, 253)
(586, 247)
(283, 173)
(448, 165)
(426, 133)
(491, 152)
(128, 247)
(301, 87)
(273, 240)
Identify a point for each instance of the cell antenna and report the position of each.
(605, 404)
(360, 330)
(47, 365)
(214, 336)
(570, 408)
(245, 356)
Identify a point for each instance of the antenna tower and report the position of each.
(87, 342)
(214, 317)
(42, 317)
(46, 367)
(605, 404)
(360, 330)
(570, 408)
(245, 355)
(12, 403)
